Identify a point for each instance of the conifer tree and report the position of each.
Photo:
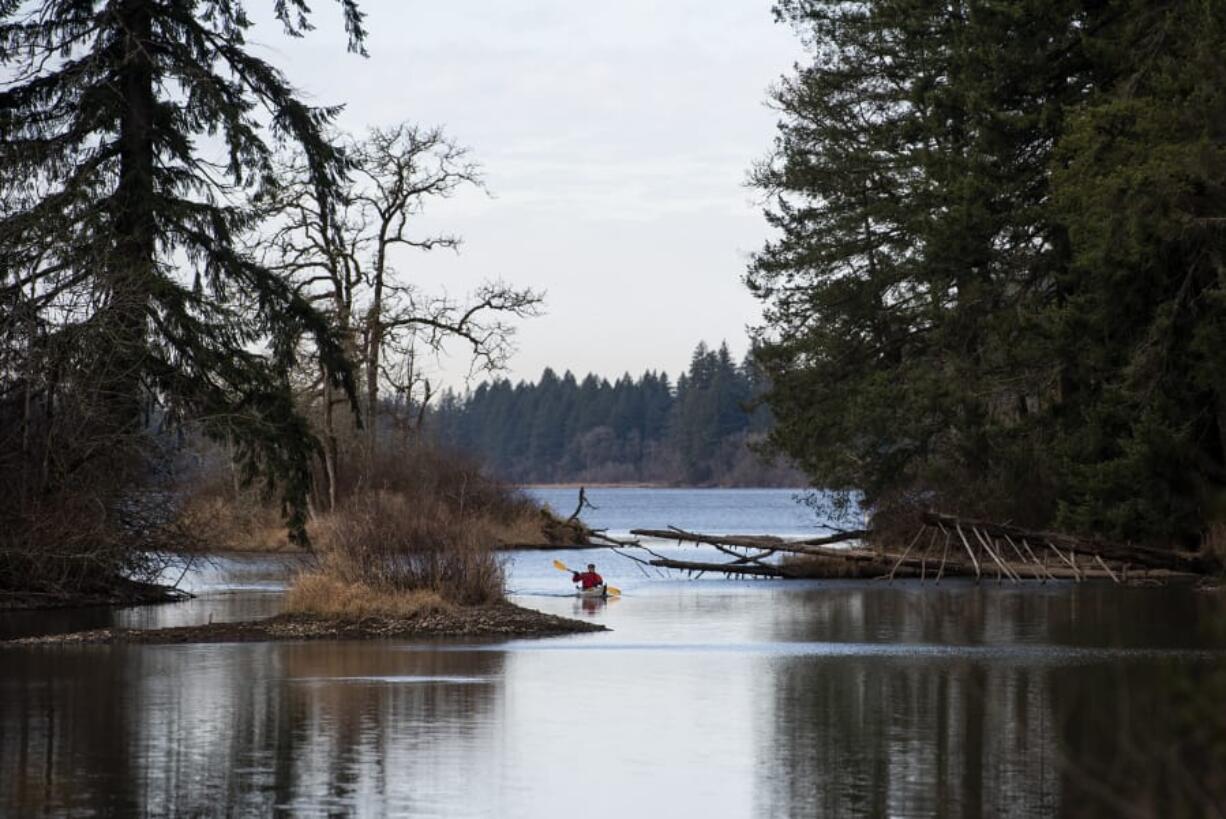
(1140, 183)
(121, 230)
(997, 285)
(908, 186)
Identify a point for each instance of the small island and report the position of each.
(499, 621)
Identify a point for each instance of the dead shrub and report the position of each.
(234, 523)
(64, 543)
(452, 480)
(408, 542)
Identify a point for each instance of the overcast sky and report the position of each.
(615, 138)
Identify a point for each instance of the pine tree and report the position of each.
(112, 206)
(998, 281)
(909, 184)
(1140, 182)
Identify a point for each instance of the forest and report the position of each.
(997, 282)
(700, 430)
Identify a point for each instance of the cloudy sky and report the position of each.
(615, 139)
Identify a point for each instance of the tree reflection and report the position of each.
(1146, 739)
(250, 729)
(890, 737)
(1000, 710)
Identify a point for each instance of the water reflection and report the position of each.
(884, 738)
(243, 729)
(1142, 740)
(1134, 728)
(718, 699)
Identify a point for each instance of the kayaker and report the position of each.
(588, 579)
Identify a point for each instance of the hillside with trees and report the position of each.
(997, 283)
(699, 430)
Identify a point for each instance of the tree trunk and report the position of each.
(331, 447)
(131, 269)
(374, 349)
(27, 410)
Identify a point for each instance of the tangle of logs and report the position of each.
(955, 546)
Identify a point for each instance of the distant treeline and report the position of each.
(697, 431)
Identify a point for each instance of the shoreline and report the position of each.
(501, 620)
(126, 593)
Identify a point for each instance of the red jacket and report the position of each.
(590, 580)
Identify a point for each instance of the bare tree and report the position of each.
(345, 261)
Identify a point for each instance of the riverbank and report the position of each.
(124, 592)
(500, 620)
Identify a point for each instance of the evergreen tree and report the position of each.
(111, 205)
(909, 186)
(1140, 182)
(560, 429)
(548, 425)
(997, 286)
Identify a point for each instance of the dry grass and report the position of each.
(321, 594)
(224, 518)
(232, 522)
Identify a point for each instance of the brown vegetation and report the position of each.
(394, 542)
(227, 521)
(326, 596)
(96, 542)
(225, 517)
(420, 523)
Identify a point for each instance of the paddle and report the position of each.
(562, 567)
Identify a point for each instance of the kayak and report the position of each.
(595, 591)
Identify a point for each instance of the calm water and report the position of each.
(714, 511)
(708, 698)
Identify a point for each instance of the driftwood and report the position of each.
(766, 546)
(722, 568)
(978, 547)
(744, 563)
(1132, 554)
(751, 541)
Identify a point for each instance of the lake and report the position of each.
(709, 697)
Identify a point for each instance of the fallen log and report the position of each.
(805, 548)
(1169, 559)
(778, 544)
(757, 570)
(740, 541)
(988, 544)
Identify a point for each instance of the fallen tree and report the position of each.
(1125, 553)
(953, 547)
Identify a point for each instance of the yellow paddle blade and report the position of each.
(613, 590)
(560, 566)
